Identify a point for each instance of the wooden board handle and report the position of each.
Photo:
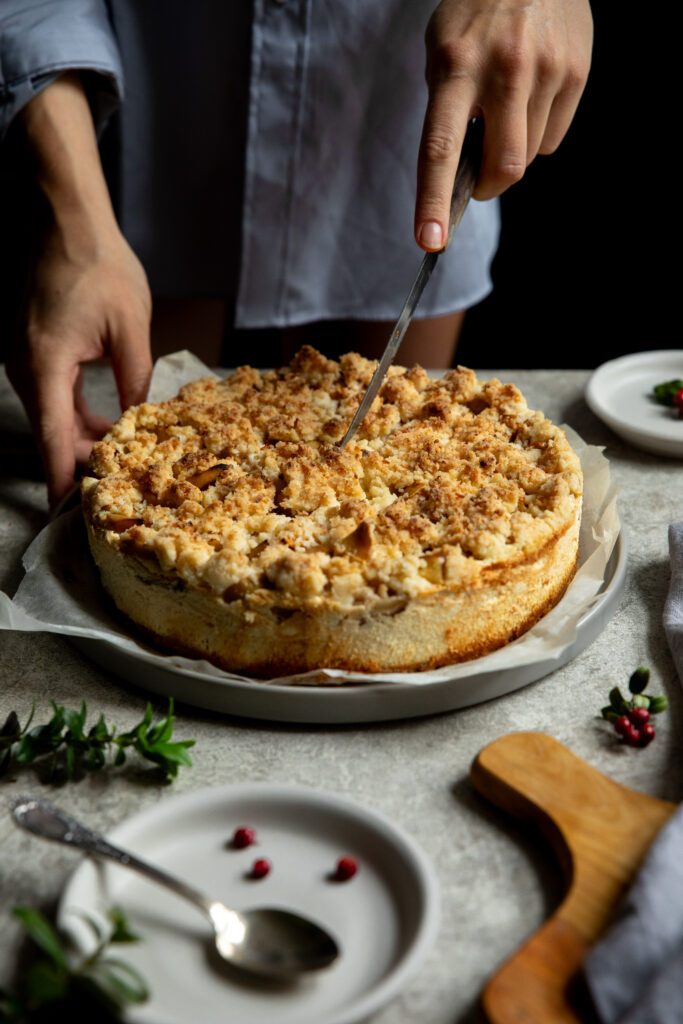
(600, 832)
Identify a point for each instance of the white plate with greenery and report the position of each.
(621, 393)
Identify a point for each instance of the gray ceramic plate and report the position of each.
(373, 702)
(385, 918)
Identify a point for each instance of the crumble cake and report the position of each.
(230, 525)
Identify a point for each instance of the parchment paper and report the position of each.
(61, 592)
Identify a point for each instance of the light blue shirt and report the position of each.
(266, 149)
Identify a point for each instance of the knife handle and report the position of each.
(467, 173)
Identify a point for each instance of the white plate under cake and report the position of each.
(228, 524)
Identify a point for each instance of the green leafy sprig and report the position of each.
(55, 987)
(619, 705)
(65, 748)
(631, 718)
(666, 392)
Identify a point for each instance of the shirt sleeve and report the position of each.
(39, 39)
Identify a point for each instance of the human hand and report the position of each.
(88, 299)
(522, 66)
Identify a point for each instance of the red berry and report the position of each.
(647, 734)
(639, 716)
(260, 868)
(678, 401)
(346, 868)
(243, 837)
(622, 725)
(632, 736)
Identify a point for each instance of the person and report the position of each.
(262, 173)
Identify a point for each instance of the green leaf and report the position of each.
(617, 701)
(169, 756)
(176, 751)
(665, 393)
(121, 931)
(42, 739)
(45, 982)
(609, 714)
(94, 924)
(99, 732)
(29, 719)
(161, 732)
(658, 704)
(94, 759)
(34, 744)
(119, 981)
(56, 723)
(639, 679)
(75, 721)
(11, 730)
(43, 934)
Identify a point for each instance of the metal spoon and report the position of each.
(264, 940)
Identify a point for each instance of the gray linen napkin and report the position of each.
(635, 974)
(673, 609)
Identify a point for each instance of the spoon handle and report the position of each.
(44, 819)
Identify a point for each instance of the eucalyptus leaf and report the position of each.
(43, 934)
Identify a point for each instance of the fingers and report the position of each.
(522, 66)
(88, 426)
(560, 117)
(51, 408)
(131, 359)
(504, 158)
(448, 111)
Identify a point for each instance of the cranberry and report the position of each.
(647, 734)
(346, 868)
(678, 401)
(632, 736)
(243, 837)
(260, 868)
(622, 725)
(639, 716)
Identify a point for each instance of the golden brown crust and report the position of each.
(454, 513)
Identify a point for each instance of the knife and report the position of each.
(465, 180)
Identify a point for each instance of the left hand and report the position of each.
(521, 65)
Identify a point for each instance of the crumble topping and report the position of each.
(239, 485)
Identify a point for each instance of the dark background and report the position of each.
(584, 271)
(585, 268)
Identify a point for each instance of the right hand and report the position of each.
(522, 66)
(88, 299)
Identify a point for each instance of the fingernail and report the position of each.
(431, 235)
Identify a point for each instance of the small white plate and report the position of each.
(385, 918)
(620, 394)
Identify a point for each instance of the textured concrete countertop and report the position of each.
(498, 879)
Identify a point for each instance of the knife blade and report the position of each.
(465, 180)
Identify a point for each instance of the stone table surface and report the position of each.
(498, 880)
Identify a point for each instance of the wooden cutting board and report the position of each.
(600, 832)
